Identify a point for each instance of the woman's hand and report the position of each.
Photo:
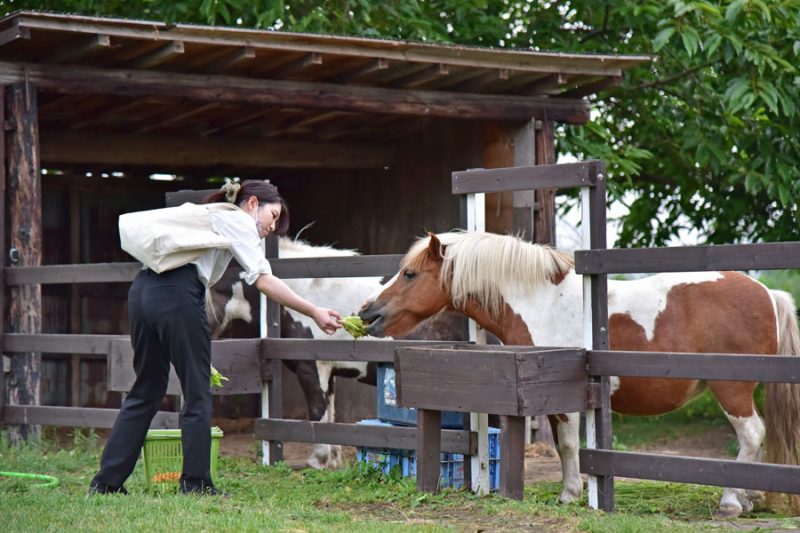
(326, 319)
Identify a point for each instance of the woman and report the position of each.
(169, 325)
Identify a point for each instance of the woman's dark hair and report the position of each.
(265, 193)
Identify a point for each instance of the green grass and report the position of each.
(351, 499)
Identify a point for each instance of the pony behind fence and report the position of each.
(232, 305)
(529, 294)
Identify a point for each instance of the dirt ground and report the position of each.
(541, 461)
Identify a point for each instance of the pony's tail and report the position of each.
(782, 403)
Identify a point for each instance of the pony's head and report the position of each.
(415, 293)
(464, 271)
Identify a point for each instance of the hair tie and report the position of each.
(231, 189)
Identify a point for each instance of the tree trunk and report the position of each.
(25, 240)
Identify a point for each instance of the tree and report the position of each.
(707, 136)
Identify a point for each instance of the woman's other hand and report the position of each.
(327, 319)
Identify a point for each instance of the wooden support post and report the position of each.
(524, 202)
(429, 445)
(25, 216)
(544, 232)
(512, 456)
(544, 218)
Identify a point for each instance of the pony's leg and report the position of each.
(750, 432)
(736, 400)
(568, 444)
(325, 455)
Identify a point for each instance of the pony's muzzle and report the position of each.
(373, 318)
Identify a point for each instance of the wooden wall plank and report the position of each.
(760, 256)
(88, 417)
(394, 437)
(725, 367)
(492, 381)
(561, 176)
(553, 398)
(174, 151)
(88, 80)
(721, 473)
(457, 381)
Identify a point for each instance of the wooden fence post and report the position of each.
(429, 446)
(5, 362)
(598, 421)
(272, 392)
(25, 215)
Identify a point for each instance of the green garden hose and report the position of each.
(47, 481)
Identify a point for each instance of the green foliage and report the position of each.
(706, 136)
(785, 280)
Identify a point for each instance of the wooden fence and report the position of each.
(246, 362)
(595, 262)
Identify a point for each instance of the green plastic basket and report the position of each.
(163, 457)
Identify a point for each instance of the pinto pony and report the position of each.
(529, 294)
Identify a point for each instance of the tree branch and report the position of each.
(676, 77)
(601, 31)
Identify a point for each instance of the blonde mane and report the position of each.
(478, 265)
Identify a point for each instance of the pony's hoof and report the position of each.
(728, 511)
(568, 497)
(314, 463)
(757, 497)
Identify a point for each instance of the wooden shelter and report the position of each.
(360, 135)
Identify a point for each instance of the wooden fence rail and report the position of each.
(328, 267)
(763, 256)
(88, 417)
(723, 367)
(717, 472)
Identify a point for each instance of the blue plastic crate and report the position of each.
(451, 473)
(389, 411)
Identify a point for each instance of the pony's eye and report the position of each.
(409, 275)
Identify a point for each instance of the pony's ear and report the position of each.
(435, 247)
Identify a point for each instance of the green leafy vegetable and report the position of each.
(354, 326)
(217, 378)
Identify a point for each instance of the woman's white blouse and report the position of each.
(240, 229)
